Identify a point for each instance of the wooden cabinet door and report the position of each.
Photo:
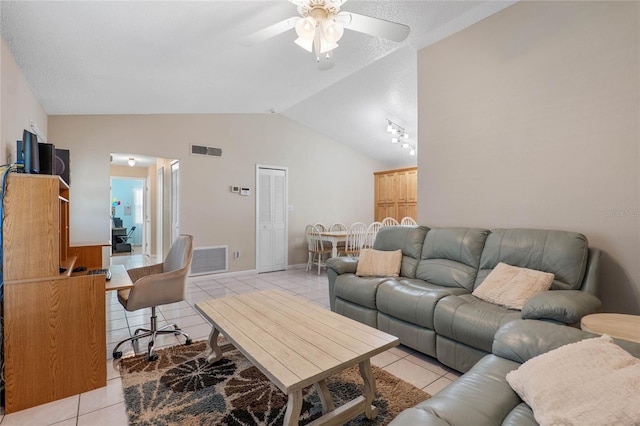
(407, 210)
(384, 210)
(412, 186)
(386, 188)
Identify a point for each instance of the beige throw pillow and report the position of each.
(377, 263)
(591, 382)
(511, 286)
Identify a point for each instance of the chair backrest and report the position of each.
(320, 227)
(130, 234)
(389, 221)
(408, 221)
(372, 231)
(180, 254)
(356, 238)
(168, 286)
(338, 227)
(314, 242)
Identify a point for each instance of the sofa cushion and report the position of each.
(471, 321)
(378, 263)
(450, 256)
(512, 286)
(358, 290)
(409, 239)
(587, 382)
(412, 300)
(561, 253)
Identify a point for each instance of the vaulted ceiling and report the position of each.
(166, 57)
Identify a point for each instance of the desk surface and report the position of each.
(119, 279)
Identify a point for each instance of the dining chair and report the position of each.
(372, 231)
(316, 248)
(320, 227)
(356, 236)
(408, 221)
(337, 227)
(389, 221)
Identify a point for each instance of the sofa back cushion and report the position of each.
(562, 253)
(409, 239)
(450, 256)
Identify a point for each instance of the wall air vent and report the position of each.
(206, 150)
(209, 260)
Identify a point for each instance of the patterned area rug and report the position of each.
(182, 388)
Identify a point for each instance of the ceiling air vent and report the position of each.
(206, 150)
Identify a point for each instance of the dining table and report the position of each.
(334, 237)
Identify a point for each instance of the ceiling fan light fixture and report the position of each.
(306, 28)
(305, 44)
(326, 46)
(332, 31)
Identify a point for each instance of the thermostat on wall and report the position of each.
(235, 188)
(245, 191)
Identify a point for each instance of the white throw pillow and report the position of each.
(379, 263)
(591, 382)
(512, 286)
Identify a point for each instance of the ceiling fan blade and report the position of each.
(268, 32)
(374, 26)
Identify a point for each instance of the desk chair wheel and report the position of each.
(188, 342)
(117, 354)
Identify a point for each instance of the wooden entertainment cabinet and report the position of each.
(54, 323)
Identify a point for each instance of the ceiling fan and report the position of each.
(320, 25)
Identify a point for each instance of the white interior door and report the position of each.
(271, 218)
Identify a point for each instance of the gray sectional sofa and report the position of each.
(482, 396)
(429, 306)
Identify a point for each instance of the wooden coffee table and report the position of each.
(298, 344)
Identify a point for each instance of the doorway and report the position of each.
(127, 213)
(160, 197)
(271, 218)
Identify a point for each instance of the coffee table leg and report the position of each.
(294, 406)
(216, 352)
(325, 396)
(370, 411)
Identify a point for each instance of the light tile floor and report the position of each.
(105, 406)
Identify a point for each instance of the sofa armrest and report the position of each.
(522, 340)
(566, 306)
(343, 265)
(338, 266)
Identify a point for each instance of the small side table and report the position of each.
(620, 326)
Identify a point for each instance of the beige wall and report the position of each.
(17, 106)
(530, 118)
(328, 182)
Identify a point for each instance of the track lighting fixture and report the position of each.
(398, 133)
